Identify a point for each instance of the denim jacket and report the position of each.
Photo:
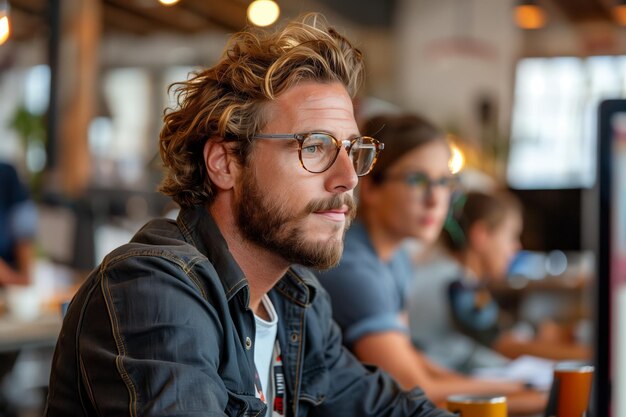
(162, 328)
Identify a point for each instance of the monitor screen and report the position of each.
(611, 308)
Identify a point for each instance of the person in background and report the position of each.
(18, 225)
(215, 313)
(406, 195)
(483, 236)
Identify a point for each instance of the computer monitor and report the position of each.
(610, 355)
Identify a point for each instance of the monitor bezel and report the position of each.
(602, 354)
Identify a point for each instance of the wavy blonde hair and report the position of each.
(227, 101)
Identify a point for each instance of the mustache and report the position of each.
(334, 203)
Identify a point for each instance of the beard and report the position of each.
(280, 229)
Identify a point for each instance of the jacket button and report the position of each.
(294, 337)
(248, 343)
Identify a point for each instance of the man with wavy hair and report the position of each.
(215, 314)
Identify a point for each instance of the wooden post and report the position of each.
(81, 25)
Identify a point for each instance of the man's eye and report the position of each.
(312, 148)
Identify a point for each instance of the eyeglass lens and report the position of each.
(319, 152)
(363, 154)
(422, 181)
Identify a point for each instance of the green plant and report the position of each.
(31, 129)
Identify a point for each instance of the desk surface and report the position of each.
(16, 334)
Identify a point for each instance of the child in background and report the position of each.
(484, 236)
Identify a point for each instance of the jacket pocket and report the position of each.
(242, 405)
(315, 383)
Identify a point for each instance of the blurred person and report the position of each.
(406, 195)
(215, 313)
(18, 226)
(483, 236)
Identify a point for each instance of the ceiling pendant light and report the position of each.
(529, 14)
(619, 12)
(168, 2)
(263, 12)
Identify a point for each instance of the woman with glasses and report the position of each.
(406, 195)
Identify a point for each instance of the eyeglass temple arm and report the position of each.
(345, 143)
(277, 136)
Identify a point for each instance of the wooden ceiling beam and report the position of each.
(162, 18)
(30, 8)
(583, 10)
(116, 19)
(27, 23)
(38, 6)
(229, 15)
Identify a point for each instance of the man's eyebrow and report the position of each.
(338, 137)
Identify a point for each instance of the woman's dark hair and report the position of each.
(473, 207)
(400, 134)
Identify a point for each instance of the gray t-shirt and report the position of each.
(367, 294)
(431, 323)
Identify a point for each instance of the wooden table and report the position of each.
(17, 335)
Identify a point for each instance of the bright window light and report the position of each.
(554, 124)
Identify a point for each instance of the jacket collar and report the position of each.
(299, 285)
(200, 230)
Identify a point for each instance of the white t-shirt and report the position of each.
(265, 339)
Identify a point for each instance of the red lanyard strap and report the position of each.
(278, 380)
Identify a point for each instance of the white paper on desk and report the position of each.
(531, 369)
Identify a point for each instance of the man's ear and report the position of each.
(221, 165)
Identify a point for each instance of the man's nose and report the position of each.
(344, 175)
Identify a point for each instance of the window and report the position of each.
(553, 132)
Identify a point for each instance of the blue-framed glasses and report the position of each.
(318, 151)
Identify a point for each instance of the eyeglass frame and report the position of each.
(347, 144)
(453, 181)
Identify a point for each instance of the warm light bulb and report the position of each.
(263, 12)
(457, 160)
(619, 12)
(5, 30)
(168, 2)
(530, 16)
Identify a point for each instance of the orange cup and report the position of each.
(571, 389)
(477, 405)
